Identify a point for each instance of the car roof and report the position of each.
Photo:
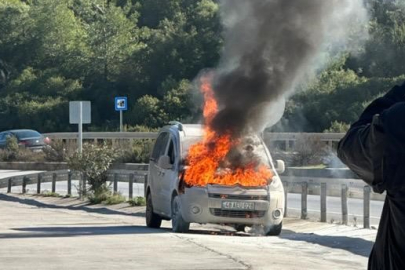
(20, 130)
(193, 130)
(187, 130)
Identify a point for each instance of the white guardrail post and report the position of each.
(115, 182)
(344, 204)
(366, 207)
(9, 185)
(54, 178)
(69, 183)
(285, 199)
(304, 201)
(323, 202)
(39, 180)
(131, 186)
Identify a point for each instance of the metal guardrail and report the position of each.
(326, 137)
(294, 136)
(329, 187)
(114, 176)
(102, 135)
(38, 178)
(339, 187)
(284, 141)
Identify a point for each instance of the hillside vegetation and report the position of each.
(52, 52)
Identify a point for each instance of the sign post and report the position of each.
(80, 139)
(80, 113)
(121, 105)
(121, 120)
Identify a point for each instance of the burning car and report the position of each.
(215, 190)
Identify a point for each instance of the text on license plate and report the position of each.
(234, 205)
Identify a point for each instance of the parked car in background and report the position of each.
(27, 138)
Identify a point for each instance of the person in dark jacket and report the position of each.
(374, 148)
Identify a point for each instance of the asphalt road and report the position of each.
(55, 233)
(11, 173)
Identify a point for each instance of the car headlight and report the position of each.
(275, 183)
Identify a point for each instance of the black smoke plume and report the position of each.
(270, 46)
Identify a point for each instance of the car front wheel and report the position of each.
(273, 230)
(240, 227)
(178, 223)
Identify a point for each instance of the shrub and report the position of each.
(140, 128)
(137, 201)
(56, 151)
(99, 195)
(93, 163)
(13, 152)
(25, 154)
(105, 196)
(115, 198)
(12, 144)
(337, 127)
(138, 152)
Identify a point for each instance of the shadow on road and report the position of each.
(42, 232)
(355, 245)
(82, 207)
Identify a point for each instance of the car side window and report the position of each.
(171, 152)
(160, 146)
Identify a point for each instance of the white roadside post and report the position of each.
(121, 128)
(80, 113)
(121, 104)
(80, 139)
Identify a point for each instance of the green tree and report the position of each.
(147, 111)
(384, 52)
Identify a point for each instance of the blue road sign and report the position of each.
(121, 104)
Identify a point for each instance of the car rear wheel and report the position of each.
(273, 230)
(178, 223)
(152, 220)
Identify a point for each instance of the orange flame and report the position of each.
(205, 158)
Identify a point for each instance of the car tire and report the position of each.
(178, 223)
(240, 227)
(153, 220)
(273, 230)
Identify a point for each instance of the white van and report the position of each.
(168, 197)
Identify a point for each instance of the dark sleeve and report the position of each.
(362, 148)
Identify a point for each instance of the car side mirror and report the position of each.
(280, 166)
(164, 163)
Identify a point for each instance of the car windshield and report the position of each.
(251, 148)
(188, 142)
(26, 134)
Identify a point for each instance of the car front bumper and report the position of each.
(204, 205)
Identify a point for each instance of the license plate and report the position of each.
(235, 205)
